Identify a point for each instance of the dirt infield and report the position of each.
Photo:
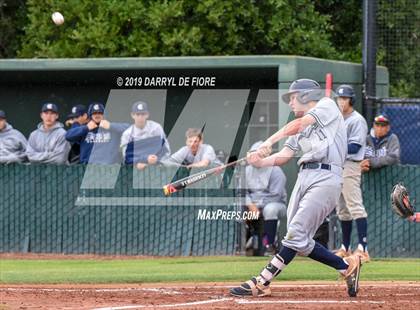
(286, 295)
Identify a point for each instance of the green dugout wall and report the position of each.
(43, 209)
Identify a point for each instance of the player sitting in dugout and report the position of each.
(99, 139)
(76, 118)
(266, 194)
(382, 146)
(195, 153)
(47, 144)
(144, 143)
(12, 143)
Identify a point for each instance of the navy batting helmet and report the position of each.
(299, 86)
(309, 95)
(346, 91)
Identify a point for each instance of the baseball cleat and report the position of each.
(251, 288)
(343, 253)
(352, 274)
(364, 255)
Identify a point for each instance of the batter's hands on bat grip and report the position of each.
(152, 159)
(254, 159)
(264, 150)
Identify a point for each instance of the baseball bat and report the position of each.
(178, 185)
(328, 84)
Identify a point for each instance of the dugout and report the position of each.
(232, 124)
(251, 111)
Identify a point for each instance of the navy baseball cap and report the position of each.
(2, 114)
(139, 107)
(77, 110)
(49, 107)
(345, 91)
(96, 107)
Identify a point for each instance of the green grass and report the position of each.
(192, 269)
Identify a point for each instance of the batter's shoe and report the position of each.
(352, 274)
(364, 255)
(251, 288)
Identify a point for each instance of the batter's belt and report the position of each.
(313, 165)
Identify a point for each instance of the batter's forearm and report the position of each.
(277, 159)
(289, 129)
(292, 128)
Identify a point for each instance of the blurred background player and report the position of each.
(350, 207)
(144, 143)
(77, 117)
(99, 139)
(47, 144)
(266, 195)
(195, 153)
(12, 143)
(382, 146)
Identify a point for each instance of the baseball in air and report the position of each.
(57, 18)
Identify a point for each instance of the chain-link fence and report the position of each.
(388, 234)
(405, 123)
(43, 209)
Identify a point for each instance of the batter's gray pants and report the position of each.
(315, 195)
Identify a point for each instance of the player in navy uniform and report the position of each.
(99, 139)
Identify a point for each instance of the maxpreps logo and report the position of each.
(219, 214)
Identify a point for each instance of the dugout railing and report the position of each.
(43, 209)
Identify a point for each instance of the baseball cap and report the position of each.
(96, 107)
(77, 110)
(139, 107)
(49, 107)
(2, 114)
(381, 119)
(345, 91)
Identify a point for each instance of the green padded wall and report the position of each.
(38, 213)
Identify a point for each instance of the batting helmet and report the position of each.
(310, 95)
(346, 91)
(299, 86)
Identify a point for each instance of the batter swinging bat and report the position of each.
(187, 181)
